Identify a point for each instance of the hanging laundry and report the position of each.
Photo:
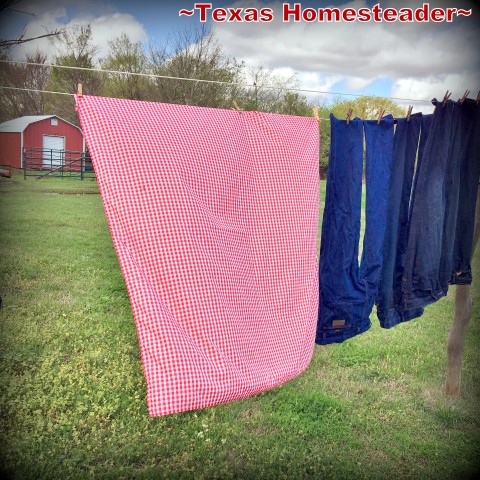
(347, 290)
(214, 218)
(424, 132)
(469, 180)
(395, 241)
(460, 137)
(435, 205)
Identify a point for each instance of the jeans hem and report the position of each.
(395, 316)
(462, 279)
(414, 302)
(325, 337)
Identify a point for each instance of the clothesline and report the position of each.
(3, 87)
(199, 80)
(35, 90)
(68, 94)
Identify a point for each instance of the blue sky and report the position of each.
(417, 61)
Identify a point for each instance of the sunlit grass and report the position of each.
(73, 393)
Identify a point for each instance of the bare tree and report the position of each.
(8, 6)
(15, 103)
(195, 54)
(271, 92)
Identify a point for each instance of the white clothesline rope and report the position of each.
(199, 80)
(2, 87)
(35, 90)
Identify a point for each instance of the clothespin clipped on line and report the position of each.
(409, 112)
(349, 115)
(235, 105)
(79, 90)
(380, 115)
(465, 95)
(446, 97)
(315, 113)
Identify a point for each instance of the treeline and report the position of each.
(192, 54)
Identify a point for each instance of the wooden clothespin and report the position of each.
(235, 105)
(380, 115)
(465, 95)
(349, 115)
(446, 97)
(409, 112)
(79, 90)
(315, 113)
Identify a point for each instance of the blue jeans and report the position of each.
(436, 202)
(347, 289)
(469, 178)
(424, 132)
(395, 241)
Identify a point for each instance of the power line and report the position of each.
(200, 80)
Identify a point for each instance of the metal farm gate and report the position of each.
(54, 162)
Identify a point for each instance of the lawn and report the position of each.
(73, 393)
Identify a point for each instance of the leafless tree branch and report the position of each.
(21, 39)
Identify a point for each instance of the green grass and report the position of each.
(73, 393)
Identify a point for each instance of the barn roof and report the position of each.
(21, 123)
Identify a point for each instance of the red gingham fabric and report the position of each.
(214, 217)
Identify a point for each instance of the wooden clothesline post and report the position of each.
(461, 319)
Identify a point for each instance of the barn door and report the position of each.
(53, 151)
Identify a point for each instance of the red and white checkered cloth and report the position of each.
(214, 217)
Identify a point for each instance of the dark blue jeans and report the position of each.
(424, 132)
(429, 258)
(469, 178)
(347, 289)
(395, 242)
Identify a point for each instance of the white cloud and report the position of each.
(104, 28)
(418, 60)
(358, 83)
(432, 86)
(360, 53)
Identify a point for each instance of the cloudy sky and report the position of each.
(414, 61)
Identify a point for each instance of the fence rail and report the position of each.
(43, 162)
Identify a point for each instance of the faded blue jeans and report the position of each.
(347, 289)
(395, 241)
(469, 178)
(424, 132)
(429, 262)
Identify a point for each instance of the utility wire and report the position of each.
(220, 82)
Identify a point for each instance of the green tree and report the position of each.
(129, 57)
(295, 104)
(324, 114)
(74, 47)
(365, 107)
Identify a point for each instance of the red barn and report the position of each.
(46, 137)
